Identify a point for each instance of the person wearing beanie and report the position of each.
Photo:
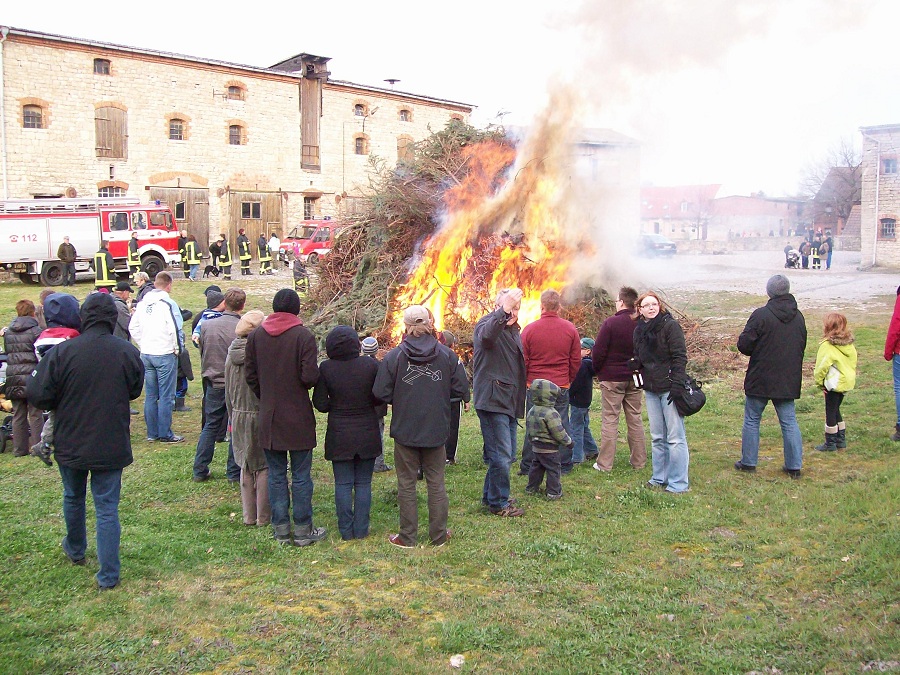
(69, 381)
(418, 379)
(352, 439)
(370, 348)
(243, 410)
(581, 393)
(774, 339)
(281, 368)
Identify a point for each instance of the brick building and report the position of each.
(879, 209)
(227, 146)
(755, 216)
(679, 212)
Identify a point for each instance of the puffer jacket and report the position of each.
(243, 410)
(20, 357)
(543, 423)
(660, 352)
(840, 353)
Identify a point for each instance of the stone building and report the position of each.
(879, 209)
(679, 212)
(227, 146)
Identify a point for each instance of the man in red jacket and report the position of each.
(892, 353)
(552, 349)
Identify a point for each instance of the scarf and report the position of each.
(647, 334)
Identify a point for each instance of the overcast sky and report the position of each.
(740, 92)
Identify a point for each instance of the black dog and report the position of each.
(211, 269)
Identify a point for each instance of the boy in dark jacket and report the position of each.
(581, 393)
(545, 429)
(63, 323)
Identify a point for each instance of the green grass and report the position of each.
(743, 573)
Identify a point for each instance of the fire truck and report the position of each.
(31, 231)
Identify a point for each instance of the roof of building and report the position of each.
(662, 202)
(881, 129)
(277, 69)
(598, 136)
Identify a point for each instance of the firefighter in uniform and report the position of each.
(104, 268)
(134, 258)
(265, 260)
(225, 257)
(182, 251)
(244, 253)
(192, 257)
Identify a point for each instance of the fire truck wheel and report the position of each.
(52, 273)
(26, 279)
(313, 258)
(152, 265)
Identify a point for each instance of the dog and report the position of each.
(211, 269)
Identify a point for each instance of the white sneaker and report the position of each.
(597, 467)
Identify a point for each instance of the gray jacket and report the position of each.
(123, 319)
(216, 336)
(498, 366)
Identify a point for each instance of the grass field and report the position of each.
(743, 573)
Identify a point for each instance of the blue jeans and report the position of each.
(565, 454)
(790, 431)
(670, 450)
(216, 414)
(580, 421)
(106, 487)
(160, 375)
(69, 274)
(353, 496)
(499, 433)
(195, 272)
(301, 489)
(181, 387)
(896, 364)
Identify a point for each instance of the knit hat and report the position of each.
(778, 285)
(212, 288)
(286, 300)
(370, 346)
(416, 315)
(248, 322)
(214, 299)
(587, 343)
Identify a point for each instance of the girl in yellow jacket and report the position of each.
(836, 373)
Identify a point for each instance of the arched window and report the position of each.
(101, 66)
(405, 115)
(235, 135)
(176, 129)
(359, 110)
(359, 145)
(32, 117)
(235, 93)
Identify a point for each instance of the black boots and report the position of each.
(179, 405)
(841, 438)
(830, 444)
(896, 435)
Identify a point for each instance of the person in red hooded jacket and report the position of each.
(892, 353)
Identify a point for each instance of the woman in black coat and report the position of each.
(18, 340)
(661, 356)
(353, 438)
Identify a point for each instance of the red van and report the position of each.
(311, 240)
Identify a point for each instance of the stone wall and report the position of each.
(879, 144)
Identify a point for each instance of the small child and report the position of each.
(545, 429)
(581, 393)
(835, 372)
(63, 323)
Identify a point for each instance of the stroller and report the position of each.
(792, 259)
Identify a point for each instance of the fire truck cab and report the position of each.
(31, 231)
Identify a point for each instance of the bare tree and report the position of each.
(833, 184)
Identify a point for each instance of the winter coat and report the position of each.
(581, 393)
(614, 347)
(543, 423)
(156, 324)
(243, 410)
(91, 401)
(216, 336)
(892, 341)
(419, 377)
(774, 339)
(281, 368)
(66, 253)
(20, 357)
(840, 353)
(123, 319)
(498, 381)
(659, 352)
(344, 391)
(552, 349)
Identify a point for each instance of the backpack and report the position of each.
(692, 399)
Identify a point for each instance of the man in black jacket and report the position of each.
(68, 381)
(774, 339)
(418, 378)
(67, 254)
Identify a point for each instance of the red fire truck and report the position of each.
(31, 231)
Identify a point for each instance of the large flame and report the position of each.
(503, 228)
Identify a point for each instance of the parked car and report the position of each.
(656, 244)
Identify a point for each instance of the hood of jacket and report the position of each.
(842, 342)
(423, 348)
(278, 322)
(784, 307)
(22, 323)
(845, 348)
(98, 313)
(544, 392)
(342, 343)
(61, 311)
(237, 351)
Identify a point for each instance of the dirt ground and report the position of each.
(747, 272)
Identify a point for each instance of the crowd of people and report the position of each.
(262, 379)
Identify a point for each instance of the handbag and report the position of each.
(691, 400)
(832, 377)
